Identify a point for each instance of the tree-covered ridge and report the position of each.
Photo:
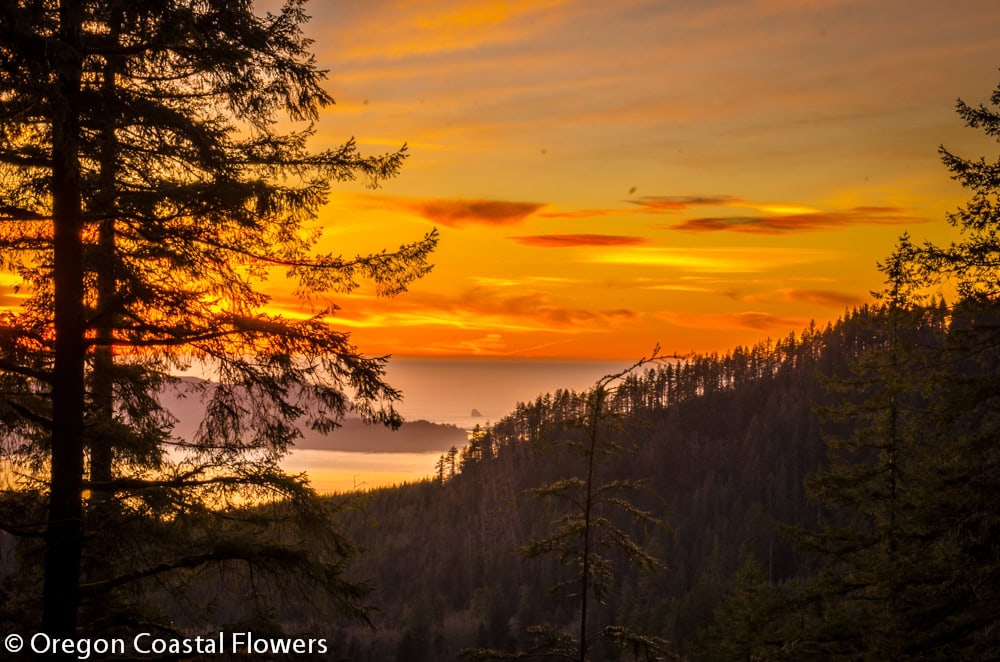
(723, 441)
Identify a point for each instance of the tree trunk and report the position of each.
(64, 532)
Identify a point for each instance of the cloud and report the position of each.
(658, 204)
(764, 321)
(668, 287)
(671, 203)
(582, 213)
(455, 212)
(406, 29)
(753, 320)
(570, 240)
(831, 298)
(800, 222)
(487, 308)
(492, 344)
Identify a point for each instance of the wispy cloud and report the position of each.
(392, 30)
(672, 203)
(494, 281)
(495, 307)
(798, 222)
(571, 240)
(754, 320)
(831, 298)
(455, 212)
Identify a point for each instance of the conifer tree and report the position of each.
(148, 194)
(586, 538)
(745, 621)
(910, 553)
(957, 602)
(866, 534)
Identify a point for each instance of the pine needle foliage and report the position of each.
(908, 544)
(150, 189)
(587, 539)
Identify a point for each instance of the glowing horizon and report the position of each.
(608, 177)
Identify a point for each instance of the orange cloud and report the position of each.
(570, 240)
(805, 222)
(455, 212)
(531, 308)
(753, 320)
(719, 260)
(401, 29)
(483, 308)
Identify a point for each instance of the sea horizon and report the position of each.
(446, 390)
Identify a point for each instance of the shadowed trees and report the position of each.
(587, 538)
(907, 550)
(149, 192)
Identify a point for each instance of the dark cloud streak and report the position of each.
(571, 240)
(457, 212)
(671, 203)
(808, 222)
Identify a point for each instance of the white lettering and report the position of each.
(137, 646)
(41, 643)
(83, 649)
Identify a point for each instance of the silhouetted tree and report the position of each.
(148, 193)
(586, 536)
(909, 551)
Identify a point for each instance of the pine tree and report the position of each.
(586, 538)
(745, 621)
(148, 195)
(957, 601)
(909, 555)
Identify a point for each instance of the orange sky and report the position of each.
(606, 176)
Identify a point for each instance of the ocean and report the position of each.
(445, 391)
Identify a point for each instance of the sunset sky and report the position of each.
(606, 176)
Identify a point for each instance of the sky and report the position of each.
(609, 176)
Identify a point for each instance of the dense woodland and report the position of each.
(724, 443)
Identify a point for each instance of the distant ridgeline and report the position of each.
(186, 400)
(725, 443)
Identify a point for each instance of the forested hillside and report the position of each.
(724, 443)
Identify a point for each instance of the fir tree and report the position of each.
(587, 538)
(148, 194)
(910, 546)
